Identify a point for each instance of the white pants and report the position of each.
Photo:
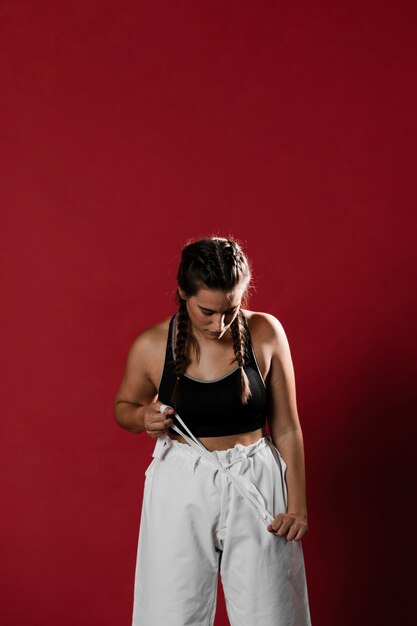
(197, 522)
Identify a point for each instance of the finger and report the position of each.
(158, 423)
(166, 409)
(293, 531)
(160, 416)
(160, 420)
(300, 534)
(282, 530)
(157, 433)
(276, 523)
(157, 428)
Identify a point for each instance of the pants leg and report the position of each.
(177, 559)
(263, 574)
(191, 515)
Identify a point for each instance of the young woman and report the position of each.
(237, 507)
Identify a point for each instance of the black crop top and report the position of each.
(212, 408)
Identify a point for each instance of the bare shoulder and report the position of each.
(268, 338)
(152, 338)
(265, 328)
(145, 362)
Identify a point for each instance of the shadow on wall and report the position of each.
(363, 498)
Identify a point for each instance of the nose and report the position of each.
(219, 324)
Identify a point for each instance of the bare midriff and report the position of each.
(223, 443)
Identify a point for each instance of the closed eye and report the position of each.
(227, 312)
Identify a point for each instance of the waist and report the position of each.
(224, 442)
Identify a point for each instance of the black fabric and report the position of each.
(214, 409)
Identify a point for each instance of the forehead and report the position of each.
(217, 299)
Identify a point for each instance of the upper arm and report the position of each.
(137, 386)
(282, 411)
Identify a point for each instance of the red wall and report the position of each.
(129, 127)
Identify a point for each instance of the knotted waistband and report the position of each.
(227, 458)
(223, 460)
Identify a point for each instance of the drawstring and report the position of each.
(243, 457)
(245, 462)
(242, 484)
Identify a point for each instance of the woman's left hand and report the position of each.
(293, 525)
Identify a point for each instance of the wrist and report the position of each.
(302, 514)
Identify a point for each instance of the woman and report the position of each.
(222, 371)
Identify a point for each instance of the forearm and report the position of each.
(291, 447)
(129, 416)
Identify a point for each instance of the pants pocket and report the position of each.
(282, 466)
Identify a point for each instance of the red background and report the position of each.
(128, 127)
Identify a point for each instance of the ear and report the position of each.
(182, 294)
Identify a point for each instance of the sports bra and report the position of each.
(212, 408)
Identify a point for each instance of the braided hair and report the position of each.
(214, 263)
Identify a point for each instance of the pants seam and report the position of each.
(213, 602)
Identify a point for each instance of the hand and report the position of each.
(294, 525)
(156, 423)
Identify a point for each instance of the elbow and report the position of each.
(290, 432)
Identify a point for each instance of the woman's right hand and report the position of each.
(156, 423)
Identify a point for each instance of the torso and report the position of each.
(213, 364)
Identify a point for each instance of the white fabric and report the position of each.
(198, 520)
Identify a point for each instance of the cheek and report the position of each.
(203, 319)
(196, 315)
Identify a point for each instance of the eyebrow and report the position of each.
(203, 308)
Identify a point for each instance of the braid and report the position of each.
(240, 338)
(220, 264)
(181, 340)
(180, 350)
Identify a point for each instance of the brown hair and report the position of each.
(213, 263)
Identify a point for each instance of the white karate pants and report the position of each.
(196, 521)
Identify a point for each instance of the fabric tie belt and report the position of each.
(245, 487)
